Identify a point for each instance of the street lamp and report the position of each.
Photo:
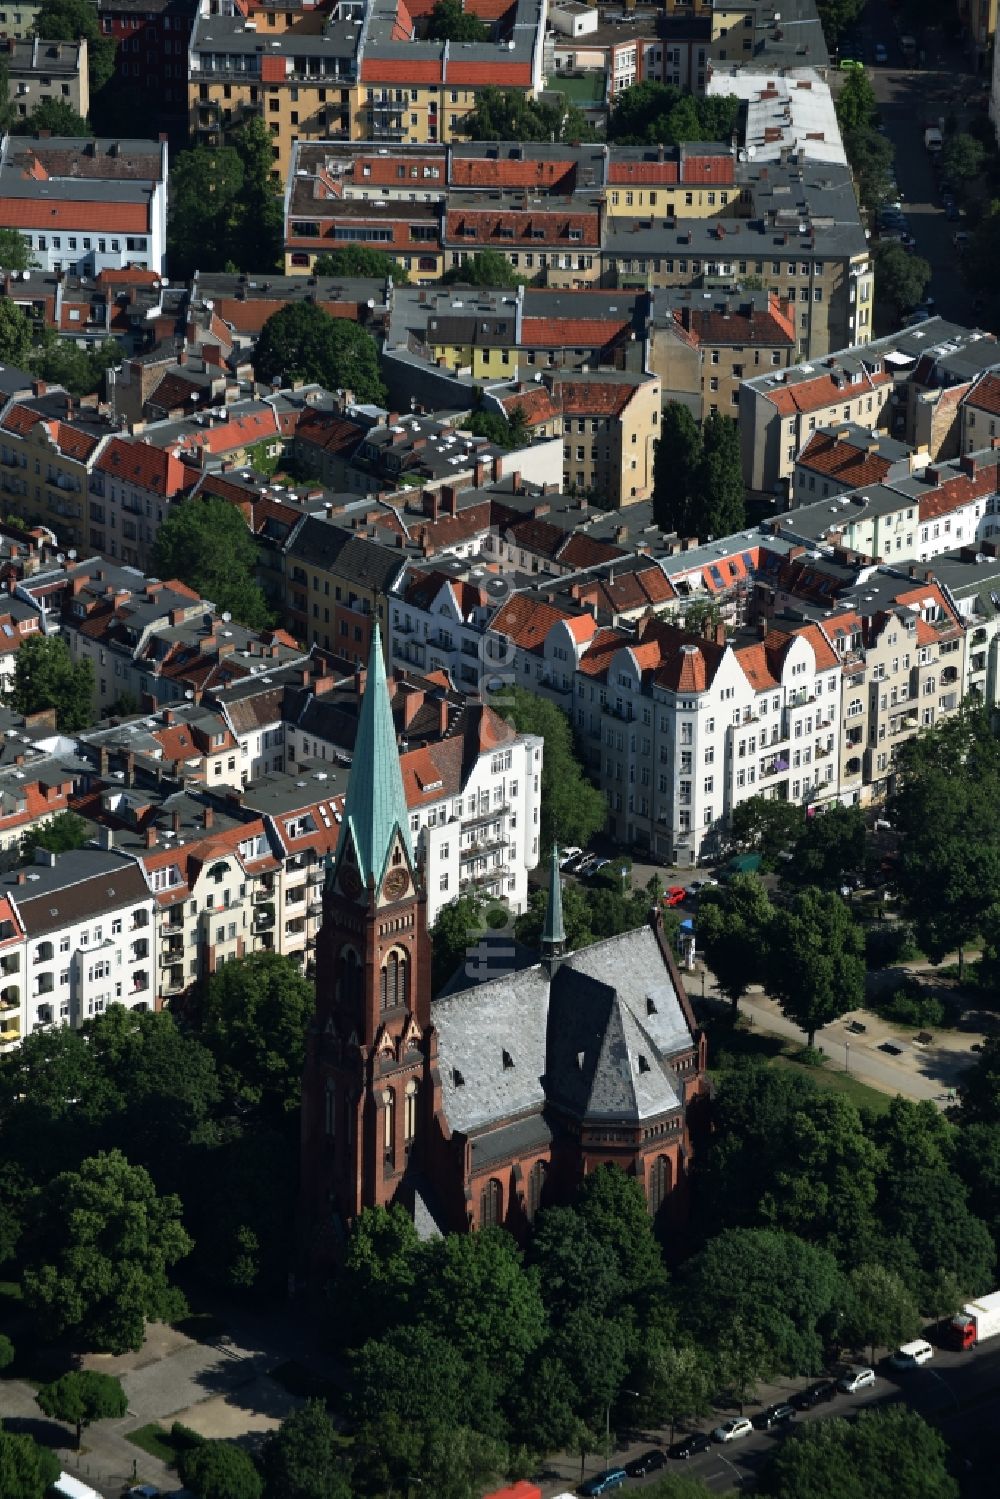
(847, 1056)
(607, 1426)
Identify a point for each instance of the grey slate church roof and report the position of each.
(594, 1039)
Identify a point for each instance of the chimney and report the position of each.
(22, 878)
(479, 473)
(515, 481)
(449, 496)
(175, 822)
(151, 837)
(360, 680)
(103, 760)
(968, 465)
(208, 817)
(443, 712)
(38, 387)
(433, 504)
(129, 768)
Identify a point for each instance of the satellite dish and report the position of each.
(60, 556)
(71, 556)
(226, 618)
(189, 694)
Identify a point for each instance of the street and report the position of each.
(946, 86)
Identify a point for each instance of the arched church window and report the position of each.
(410, 1110)
(491, 1204)
(536, 1187)
(659, 1182)
(389, 1123)
(395, 980)
(330, 1102)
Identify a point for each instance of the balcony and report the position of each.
(316, 876)
(776, 767)
(172, 981)
(263, 918)
(172, 955)
(263, 893)
(315, 908)
(10, 963)
(140, 982)
(486, 816)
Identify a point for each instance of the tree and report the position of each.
(61, 833)
(496, 428)
(946, 809)
(572, 809)
(206, 544)
(15, 251)
(455, 937)
(46, 676)
(675, 1378)
(449, 22)
(766, 825)
(485, 268)
(478, 1295)
(218, 1470)
(67, 21)
(103, 1243)
(815, 960)
(27, 1470)
(55, 115)
(856, 105)
(254, 1017)
(509, 115)
(15, 334)
(774, 1284)
(830, 847)
(359, 260)
(205, 209)
(887, 1450)
(871, 158)
(719, 492)
(82, 1397)
(302, 1460)
(880, 1310)
(675, 469)
(60, 361)
(979, 1087)
(650, 113)
(305, 342)
(6, 1351)
(963, 157)
(578, 912)
(257, 240)
(613, 1208)
(376, 1286)
(733, 926)
(416, 1375)
(900, 278)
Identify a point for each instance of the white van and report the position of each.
(68, 1487)
(912, 1355)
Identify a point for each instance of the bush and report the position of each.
(812, 1056)
(908, 1008)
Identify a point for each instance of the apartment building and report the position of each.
(782, 112)
(48, 449)
(696, 180)
(103, 205)
(680, 729)
(837, 460)
(559, 241)
(34, 788)
(703, 344)
(39, 70)
(11, 975)
(336, 584)
(87, 918)
(130, 490)
(151, 38)
(19, 19)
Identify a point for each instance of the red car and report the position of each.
(675, 895)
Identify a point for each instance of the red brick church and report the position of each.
(498, 1096)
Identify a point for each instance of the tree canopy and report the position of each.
(496, 428)
(27, 1470)
(302, 341)
(65, 831)
(104, 1242)
(887, 1450)
(205, 543)
(900, 278)
(510, 115)
(82, 1397)
(254, 1017)
(448, 22)
(733, 925)
(15, 252)
(815, 960)
(68, 21)
(659, 113)
(46, 676)
(698, 476)
(360, 260)
(219, 1470)
(485, 268)
(572, 809)
(302, 1459)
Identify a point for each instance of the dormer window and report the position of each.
(508, 1061)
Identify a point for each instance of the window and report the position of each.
(491, 1204)
(536, 1187)
(395, 984)
(389, 1125)
(659, 1183)
(330, 1114)
(410, 1110)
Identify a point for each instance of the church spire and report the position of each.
(375, 805)
(554, 932)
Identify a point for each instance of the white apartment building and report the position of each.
(682, 729)
(87, 918)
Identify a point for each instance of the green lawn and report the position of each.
(727, 1044)
(157, 1441)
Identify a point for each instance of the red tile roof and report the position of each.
(843, 460)
(399, 70)
(536, 406)
(146, 466)
(556, 225)
(961, 490)
(479, 171)
(812, 395)
(57, 214)
(498, 74)
(571, 333)
(985, 395)
(273, 69)
(526, 620)
(594, 397)
(710, 171)
(774, 327)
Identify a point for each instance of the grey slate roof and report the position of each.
(594, 1040)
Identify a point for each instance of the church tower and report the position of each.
(367, 1106)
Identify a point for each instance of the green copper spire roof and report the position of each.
(375, 805)
(553, 932)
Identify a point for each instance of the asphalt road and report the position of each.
(959, 1392)
(946, 85)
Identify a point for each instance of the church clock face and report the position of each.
(395, 884)
(350, 881)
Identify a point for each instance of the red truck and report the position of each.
(977, 1321)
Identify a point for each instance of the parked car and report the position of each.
(856, 1027)
(912, 1355)
(960, 239)
(732, 1431)
(697, 887)
(881, 54)
(569, 854)
(649, 1462)
(774, 1415)
(819, 1393)
(891, 1049)
(674, 895)
(581, 866)
(690, 1446)
(612, 1479)
(597, 866)
(855, 1380)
